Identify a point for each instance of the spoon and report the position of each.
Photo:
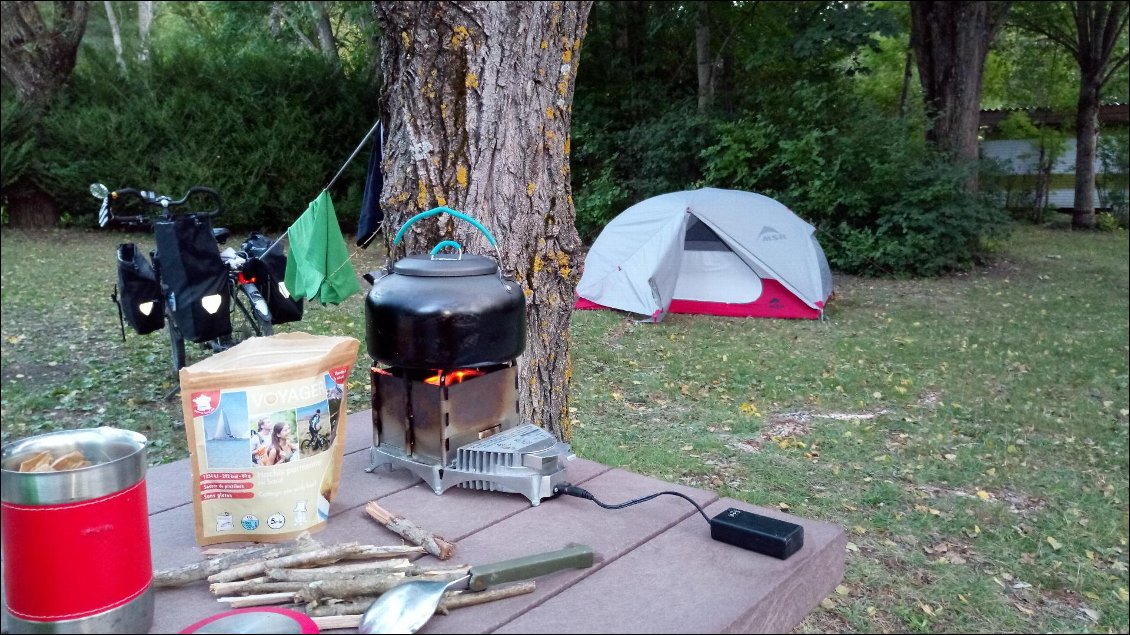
(407, 607)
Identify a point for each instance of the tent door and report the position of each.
(711, 272)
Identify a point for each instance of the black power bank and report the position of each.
(758, 533)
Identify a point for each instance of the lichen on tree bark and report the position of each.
(477, 107)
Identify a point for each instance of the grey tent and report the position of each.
(708, 251)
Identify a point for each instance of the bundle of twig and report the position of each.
(311, 580)
(335, 582)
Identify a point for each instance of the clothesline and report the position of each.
(334, 180)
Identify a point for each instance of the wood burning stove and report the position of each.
(444, 331)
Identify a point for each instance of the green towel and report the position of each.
(318, 267)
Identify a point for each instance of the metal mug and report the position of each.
(77, 556)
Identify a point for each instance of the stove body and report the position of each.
(445, 385)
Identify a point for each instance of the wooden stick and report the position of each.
(341, 570)
(355, 606)
(228, 588)
(349, 587)
(331, 622)
(433, 544)
(254, 569)
(460, 599)
(370, 552)
(262, 599)
(273, 586)
(195, 571)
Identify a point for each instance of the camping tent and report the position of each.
(710, 251)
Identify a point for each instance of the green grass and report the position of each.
(969, 433)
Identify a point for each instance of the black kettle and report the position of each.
(445, 310)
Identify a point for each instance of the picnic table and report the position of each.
(657, 570)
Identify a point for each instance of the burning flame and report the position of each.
(453, 377)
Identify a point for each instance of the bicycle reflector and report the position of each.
(246, 279)
(211, 303)
(145, 307)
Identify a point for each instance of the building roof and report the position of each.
(1108, 114)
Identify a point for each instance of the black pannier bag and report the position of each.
(190, 265)
(139, 291)
(267, 264)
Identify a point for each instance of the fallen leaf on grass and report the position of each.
(1055, 544)
(927, 609)
(1123, 594)
(828, 603)
(1023, 609)
(983, 495)
(842, 590)
(1091, 614)
(851, 546)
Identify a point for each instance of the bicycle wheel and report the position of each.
(245, 322)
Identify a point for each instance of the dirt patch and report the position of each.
(39, 373)
(930, 398)
(614, 335)
(1018, 503)
(790, 425)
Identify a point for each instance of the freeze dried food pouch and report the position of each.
(265, 422)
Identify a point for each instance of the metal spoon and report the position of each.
(407, 607)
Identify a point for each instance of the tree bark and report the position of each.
(115, 35)
(36, 59)
(951, 41)
(144, 24)
(478, 106)
(325, 33)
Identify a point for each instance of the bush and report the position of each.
(17, 131)
(882, 202)
(266, 129)
(614, 169)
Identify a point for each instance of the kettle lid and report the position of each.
(428, 266)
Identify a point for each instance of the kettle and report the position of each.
(445, 310)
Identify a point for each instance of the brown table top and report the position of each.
(657, 570)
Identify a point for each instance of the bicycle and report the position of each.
(233, 309)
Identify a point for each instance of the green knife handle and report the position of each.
(574, 557)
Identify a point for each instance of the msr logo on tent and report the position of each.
(771, 234)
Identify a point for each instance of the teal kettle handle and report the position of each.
(440, 210)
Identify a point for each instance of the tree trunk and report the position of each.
(907, 75)
(36, 59)
(144, 23)
(702, 57)
(274, 20)
(951, 41)
(115, 35)
(29, 207)
(325, 33)
(1099, 26)
(1044, 166)
(1086, 138)
(478, 99)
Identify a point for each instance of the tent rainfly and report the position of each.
(707, 251)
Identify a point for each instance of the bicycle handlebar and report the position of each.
(166, 203)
